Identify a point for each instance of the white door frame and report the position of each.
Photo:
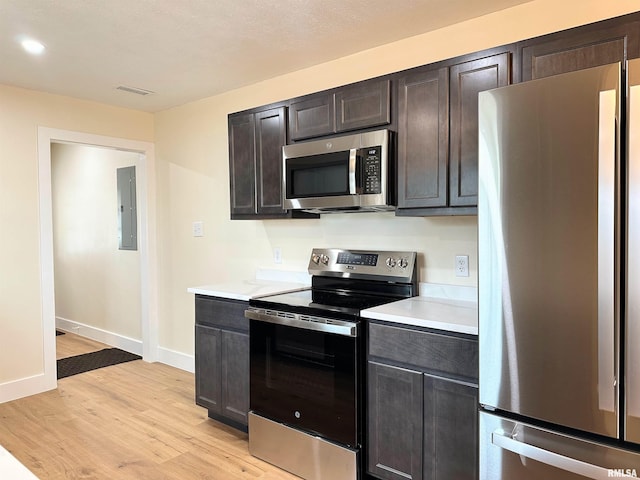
(146, 236)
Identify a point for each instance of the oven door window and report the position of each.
(306, 379)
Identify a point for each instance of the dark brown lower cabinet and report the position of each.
(395, 422)
(422, 410)
(208, 393)
(450, 429)
(222, 360)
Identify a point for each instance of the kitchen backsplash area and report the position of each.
(438, 240)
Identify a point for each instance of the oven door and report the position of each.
(307, 378)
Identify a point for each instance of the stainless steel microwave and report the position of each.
(339, 174)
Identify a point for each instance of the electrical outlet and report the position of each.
(462, 265)
(277, 255)
(198, 229)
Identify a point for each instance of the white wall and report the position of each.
(96, 284)
(22, 111)
(192, 154)
(192, 182)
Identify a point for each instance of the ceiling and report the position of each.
(185, 50)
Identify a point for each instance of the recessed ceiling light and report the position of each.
(32, 46)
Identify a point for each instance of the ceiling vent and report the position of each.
(137, 91)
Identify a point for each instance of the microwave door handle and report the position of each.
(353, 162)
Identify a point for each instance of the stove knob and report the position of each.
(315, 258)
(324, 259)
(402, 263)
(391, 262)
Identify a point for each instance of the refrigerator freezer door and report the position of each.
(547, 249)
(514, 450)
(632, 379)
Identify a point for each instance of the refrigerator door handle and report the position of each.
(607, 152)
(562, 462)
(632, 423)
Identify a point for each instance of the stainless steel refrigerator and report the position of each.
(559, 277)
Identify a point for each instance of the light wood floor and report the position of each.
(135, 420)
(69, 344)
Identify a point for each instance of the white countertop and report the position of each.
(247, 289)
(266, 282)
(459, 316)
(442, 307)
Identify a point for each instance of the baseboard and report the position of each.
(169, 357)
(25, 387)
(177, 359)
(113, 339)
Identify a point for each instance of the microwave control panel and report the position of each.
(371, 169)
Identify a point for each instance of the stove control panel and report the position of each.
(391, 265)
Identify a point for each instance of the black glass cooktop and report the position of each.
(322, 303)
(339, 297)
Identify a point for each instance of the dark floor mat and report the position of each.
(59, 332)
(91, 361)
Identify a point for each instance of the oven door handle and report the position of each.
(347, 329)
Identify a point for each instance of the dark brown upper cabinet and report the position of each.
(255, 163)
(438, 132)
(435, 115)
(467, 79)
(312, 116)
(363, 105)
(242, 164)
(358, 106)
(583, 47)
(271, 136)
(423, 138)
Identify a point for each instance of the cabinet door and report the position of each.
(423, 139)
(242, 167)
(207, 366)
(467, 80)
(271, 135)
(363, 105)
(235, 376)
(579, 48)
(312, 116)
(450, 429)
(395, 422)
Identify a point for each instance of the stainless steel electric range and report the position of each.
(307, 361)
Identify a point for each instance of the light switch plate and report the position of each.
(198, 229)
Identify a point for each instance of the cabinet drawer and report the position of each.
(430, 352)
(222, 313)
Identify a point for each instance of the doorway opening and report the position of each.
(146, 240)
